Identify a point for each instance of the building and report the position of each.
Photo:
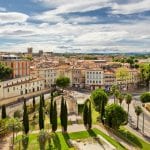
(20, 67)
(20, 86)
(78, 77)
(49, 74)
(109, 79)
(94, 78)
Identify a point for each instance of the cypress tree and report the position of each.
(65, 117)
(85, 114)
(33, 103)
(43, 101)
(41, 117)
(54, 122)
(51, 109)
(62, 113)
(3, 112)
(89, 116)
(25, 118)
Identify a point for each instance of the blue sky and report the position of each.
(75, 25)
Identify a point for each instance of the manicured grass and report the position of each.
(128, 136)
(109, 139)
(60, 141)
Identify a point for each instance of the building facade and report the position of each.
(94, 78)
(21, 86)
(20, 67)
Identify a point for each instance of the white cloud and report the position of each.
(129, 8)
(61, 34)
(65, 6)
(12, 17)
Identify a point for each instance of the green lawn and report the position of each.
(60, 141)
(133, 139)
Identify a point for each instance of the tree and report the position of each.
(115, 116)
(114, 88)
(41, 117)
(122, 74)
(43, 101)
(51, 109)
(14, 126)
(42, 139)
(116, 94)
(128, 99)
(33, 103)
(62, 82)
(120, 98)
(145, 73)
(145, 97)
(54, 122)
(65, 117)
(25, 141)
(62, 113)
(85, 114)
(99, 99)
(4, 112)
(17, 114)
(5, 72)
(89, 116)
(25, 118)
(138, 111)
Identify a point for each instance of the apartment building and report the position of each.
(94, 78)
(109, 78)
(49, 74)
(20, 67)
(20, 86)
(78, 77)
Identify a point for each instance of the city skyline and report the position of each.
(75, 26)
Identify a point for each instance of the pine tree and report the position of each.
(62, 113)
(25, 118)
(51, 109)
(65, 117)
(4, 112)
(33, 103)
(41, 117)
(89, 116)
(54, 122)
(85, 114)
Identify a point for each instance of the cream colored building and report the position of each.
(49, 74)
(20, 86)
(94, 78)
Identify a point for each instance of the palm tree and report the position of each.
(113, 89)
(120, 98)
(42, 139)
(128, 99)
(116, 94)
(138, 111)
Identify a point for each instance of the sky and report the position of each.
(78, 26)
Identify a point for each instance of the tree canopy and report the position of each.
(62, 81)
(99, 99)
(122, 73)
(145, 97)
(145, 73)
(5, 72)
(115, 115)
